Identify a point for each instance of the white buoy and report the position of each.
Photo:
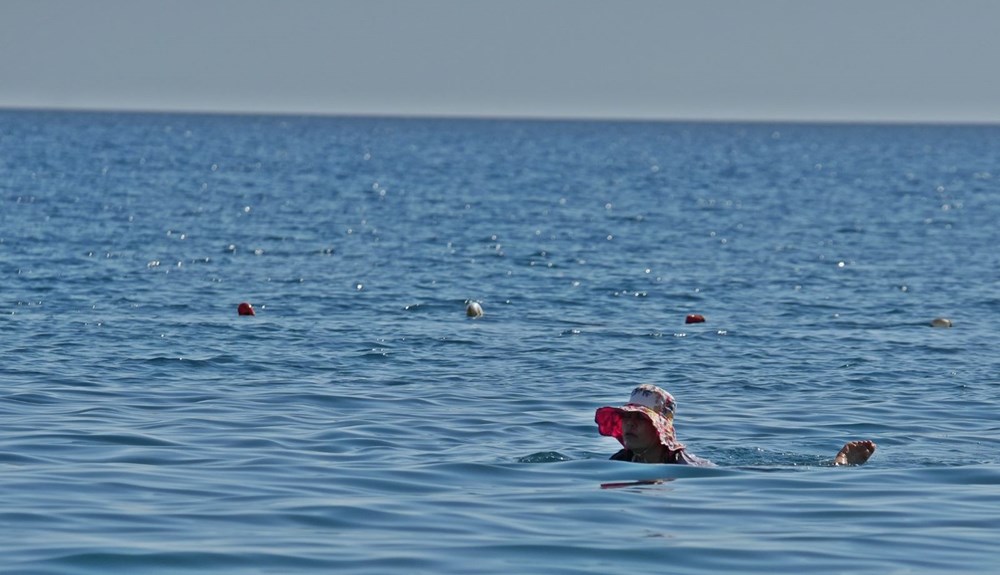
(474, 309)
(940, 322)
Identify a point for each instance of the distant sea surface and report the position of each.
(361, 423)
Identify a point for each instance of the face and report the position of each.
(638, 432)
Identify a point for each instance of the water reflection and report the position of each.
(620, 484)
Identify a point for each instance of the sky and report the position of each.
(788, 60)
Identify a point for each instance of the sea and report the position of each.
(360, 422)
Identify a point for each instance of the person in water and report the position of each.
(645, 428)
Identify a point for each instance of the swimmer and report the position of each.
(645, 428)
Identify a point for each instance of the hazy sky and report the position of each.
(881, 60)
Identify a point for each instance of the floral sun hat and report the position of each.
(655, 403)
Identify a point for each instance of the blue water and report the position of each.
(360, 423)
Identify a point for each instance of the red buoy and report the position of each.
(245, 309)
(695, 318)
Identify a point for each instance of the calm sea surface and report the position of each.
(360, 423)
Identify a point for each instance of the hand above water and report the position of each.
(855, 452)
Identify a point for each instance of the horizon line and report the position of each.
(513, 117)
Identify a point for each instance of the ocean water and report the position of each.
(361, 423)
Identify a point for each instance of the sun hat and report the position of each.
(656, 404)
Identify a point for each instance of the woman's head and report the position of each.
(647, 417)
